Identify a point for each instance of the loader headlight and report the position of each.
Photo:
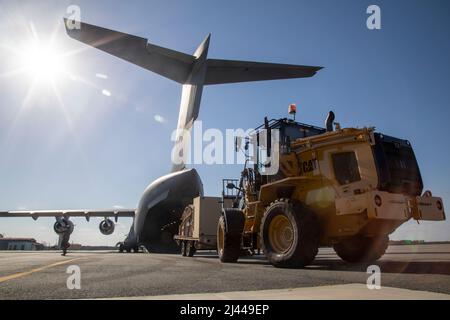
(378, 201)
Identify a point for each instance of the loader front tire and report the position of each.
(290, 234)
(228, 244)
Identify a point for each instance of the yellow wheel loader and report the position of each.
(345, 188)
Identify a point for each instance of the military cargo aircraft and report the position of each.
(157, 216)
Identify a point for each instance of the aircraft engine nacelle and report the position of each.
(106, 227)
(62, 226)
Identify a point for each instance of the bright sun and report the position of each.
(43, 62)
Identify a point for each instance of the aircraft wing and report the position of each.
(69, 213)
(230, 71)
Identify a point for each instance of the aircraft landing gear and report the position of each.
(125, 248)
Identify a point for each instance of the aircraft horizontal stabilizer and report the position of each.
(165, 62)
(229, 71)
(179, 66)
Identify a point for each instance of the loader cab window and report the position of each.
(346, 167)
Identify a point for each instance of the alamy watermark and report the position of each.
(74, 280)
(232, 146)
(373, 22)
(73, 17)
(374, 280)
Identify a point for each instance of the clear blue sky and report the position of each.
(89, 150)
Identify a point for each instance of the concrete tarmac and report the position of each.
(43, 275)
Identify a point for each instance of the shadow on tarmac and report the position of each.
(388, 266)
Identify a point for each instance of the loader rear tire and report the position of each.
(290, 234)
(362, 249)
(228, 244)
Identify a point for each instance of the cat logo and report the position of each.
(308, 166)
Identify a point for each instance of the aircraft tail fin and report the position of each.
(190, 105)
(193, 71)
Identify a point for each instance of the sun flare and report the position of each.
(43, 62)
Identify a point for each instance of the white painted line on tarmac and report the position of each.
(353, 291)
